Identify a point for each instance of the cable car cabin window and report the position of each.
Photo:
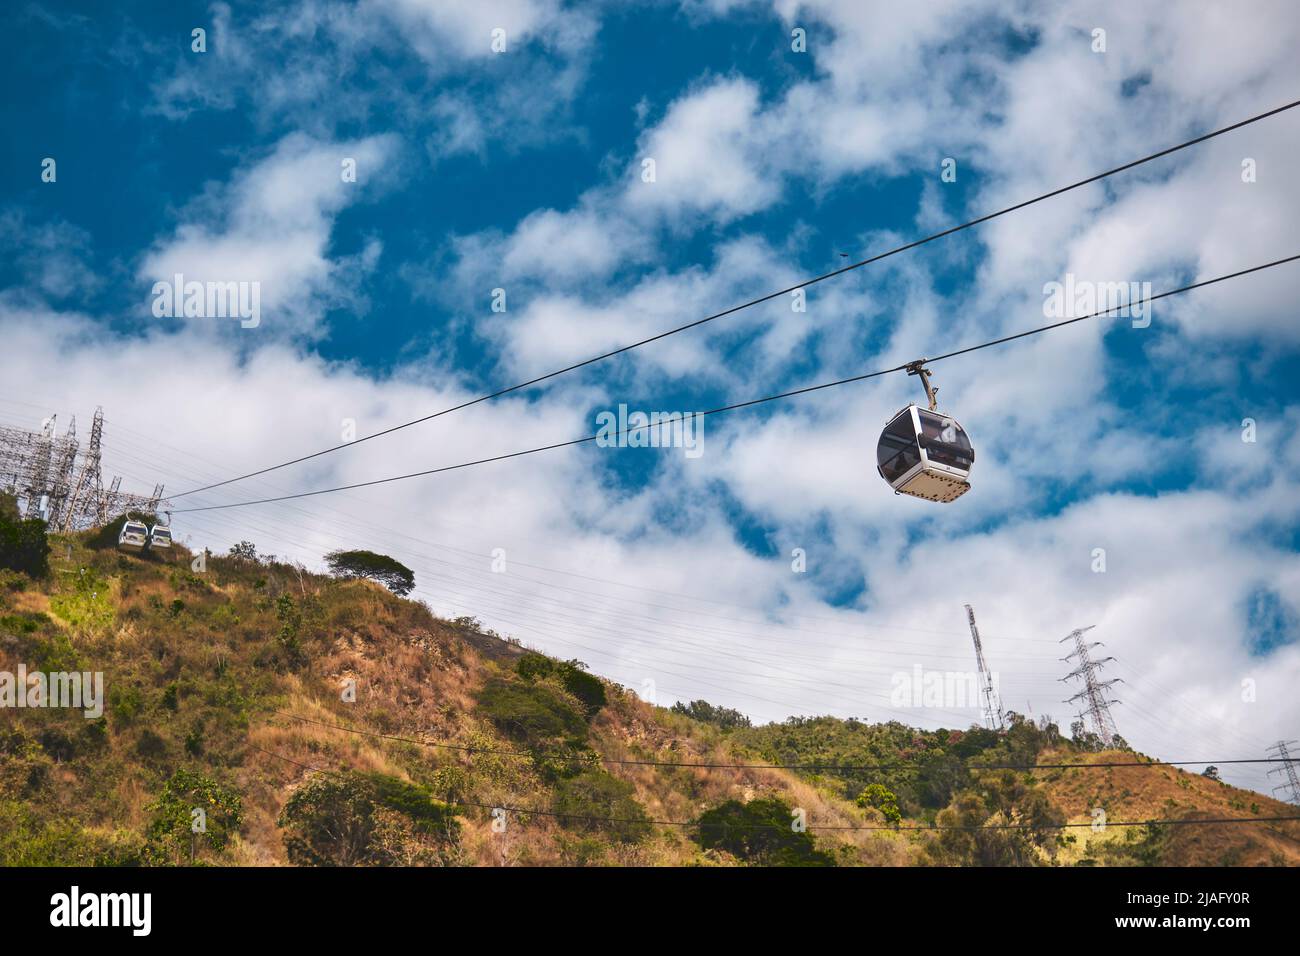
(897, 452)
(944, 441)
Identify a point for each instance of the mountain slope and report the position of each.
(307, 719)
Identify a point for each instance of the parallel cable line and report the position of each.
(793, 393)
(765, 298)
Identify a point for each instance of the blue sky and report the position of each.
(521, 169)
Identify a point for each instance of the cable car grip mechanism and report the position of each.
(918, 368)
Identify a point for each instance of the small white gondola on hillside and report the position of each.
(160, 536)
(133, 536)
(923, 452)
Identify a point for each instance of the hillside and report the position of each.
(320, 720)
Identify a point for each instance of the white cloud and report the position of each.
(272, 225)
(467, 25)
(53, 254)
(705, 156)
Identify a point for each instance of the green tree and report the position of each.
(974, 830)
(724, 717)
(365, 819)
(389, 572)
(595, 802)
(245, 551)
(192, 810)
(290, 618)
(23, 545)
(880, 797)
(761, 831)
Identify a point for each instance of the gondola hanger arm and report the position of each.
(918, 368)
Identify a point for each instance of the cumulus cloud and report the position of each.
(327, 66)
(271, 225)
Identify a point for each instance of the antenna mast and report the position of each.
(993, 718)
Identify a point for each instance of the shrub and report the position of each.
(24, 622)
(594, 801)
(389, 572)
(12, 581)
(87, 603)
(28, 840)
(758, 832)
(125, 703)
(571, 674)
(351, 819)
(194, 739)
(880, 797)
(23, 546)
(535, 713)
(290, 624)
(150, 745)
(56, 653)
(55, 742)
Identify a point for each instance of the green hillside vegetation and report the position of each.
(322, 720)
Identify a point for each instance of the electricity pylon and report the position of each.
(1094, 690)
(1292, 784)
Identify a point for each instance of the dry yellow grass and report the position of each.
(1133, 794)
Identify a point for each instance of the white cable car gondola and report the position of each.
(923, 452)
(160, 536)
(133, 536)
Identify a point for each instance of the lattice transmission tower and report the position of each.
(1291, 786)
(90, 486)
(39, 467)
(1094, 698)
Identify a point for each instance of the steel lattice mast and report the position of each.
(993, 718)
(52, 480)
(90, 486)
(1292, 784)
(38, 469)
(1094, 690)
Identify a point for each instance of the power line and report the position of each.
(120, 428)
(515, 562)
(758, 301)
(591, 818)
(777, 766)
(1169, 695)
(793, 393)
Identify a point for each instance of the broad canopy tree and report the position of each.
(389, 572)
